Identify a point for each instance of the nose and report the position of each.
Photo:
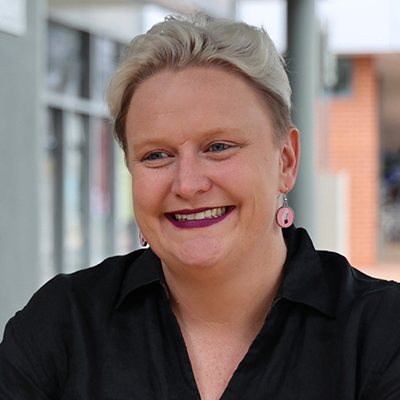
(190, 177)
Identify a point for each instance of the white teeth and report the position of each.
(199, 215)
(213, 213)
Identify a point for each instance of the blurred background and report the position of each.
(65, 201)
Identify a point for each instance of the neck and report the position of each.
(229, 295)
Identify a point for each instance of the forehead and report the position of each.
(194, 83)
(210, 98)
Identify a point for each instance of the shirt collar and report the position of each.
(144, 270)
(304, 280)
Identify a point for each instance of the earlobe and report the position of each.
(290, 155)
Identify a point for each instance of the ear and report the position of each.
(289, 160)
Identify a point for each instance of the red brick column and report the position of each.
(354, 148)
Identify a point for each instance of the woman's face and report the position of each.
(206, 170)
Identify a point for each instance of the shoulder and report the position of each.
(53, 304)
(352, 288)
(367, 316)
(38, 339)
(367, 322)
(99, 283)
(326, 277)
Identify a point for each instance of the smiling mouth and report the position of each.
(198, 216)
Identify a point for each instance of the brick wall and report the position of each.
(354, 148)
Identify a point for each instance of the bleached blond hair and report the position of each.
(199, 40)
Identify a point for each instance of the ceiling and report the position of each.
(218, 7)
(124, 19)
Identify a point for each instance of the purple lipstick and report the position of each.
(199, 218)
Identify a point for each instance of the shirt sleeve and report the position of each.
(19, 379)
(388, 387)
(33, 355)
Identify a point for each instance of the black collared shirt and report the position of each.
(108, 332)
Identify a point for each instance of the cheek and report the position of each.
(149, 189)
(256, 177)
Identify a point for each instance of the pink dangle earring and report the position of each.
(284, 215)
(142, 240)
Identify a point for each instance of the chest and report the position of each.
(148, 358)
(214, 359)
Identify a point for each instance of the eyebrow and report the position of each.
(165, 137)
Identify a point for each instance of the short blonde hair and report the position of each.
(200, 40)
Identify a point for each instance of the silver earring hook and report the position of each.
(284, 200)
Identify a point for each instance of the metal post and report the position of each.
(302, 69)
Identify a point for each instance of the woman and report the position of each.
(225, 303)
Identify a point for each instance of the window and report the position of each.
(87, 204)
(68, 61)
(340, 85)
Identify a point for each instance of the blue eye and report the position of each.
(217, 147)
(157, 155)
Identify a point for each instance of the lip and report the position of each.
(192, 211)
(197, 223)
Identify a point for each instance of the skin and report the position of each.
(200, 139)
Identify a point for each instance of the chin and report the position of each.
(201, 255)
